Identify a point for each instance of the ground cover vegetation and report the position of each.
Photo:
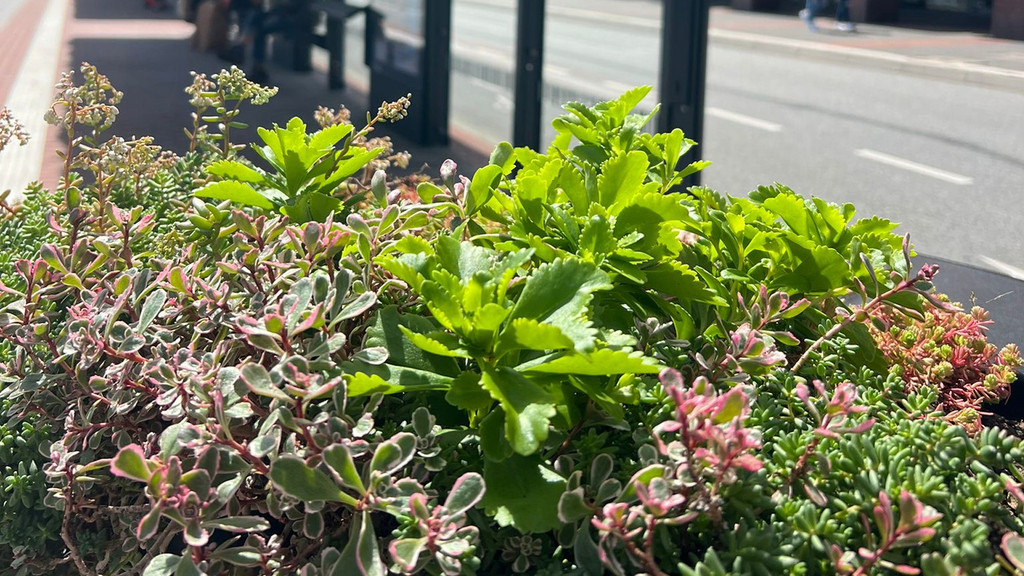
(292, 363)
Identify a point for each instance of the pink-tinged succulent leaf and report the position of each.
(1014, 489)
(911, 510)
(730, 406)
(671, 378)
(130, 463)
(466, 493)
(195, 534)
(149, 524)
(826, 433)
(1013, 548)
(406, 552)
(884, 516)
(905, 569)
(816, 496)
(748, 462)
(861, 428)
(915, 537)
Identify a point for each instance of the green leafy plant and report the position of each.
(563, 365)
(307, 169)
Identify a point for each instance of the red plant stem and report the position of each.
(245, 454)
(862, 570)
(875, 303)
(646, 557)
(801, 464)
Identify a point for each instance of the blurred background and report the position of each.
(916, 116)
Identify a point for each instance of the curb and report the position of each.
(944, 69)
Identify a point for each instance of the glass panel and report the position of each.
(596, 51)
(399, 43)
(482, 82)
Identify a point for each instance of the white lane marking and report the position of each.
(743, 119)
(29, 99)
(1003, 267)
(923, 169)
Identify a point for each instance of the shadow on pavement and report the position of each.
(153, 74)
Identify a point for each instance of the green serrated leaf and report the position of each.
(557, 293)
(238, 192)
(523, 492)
(529, 334)
(528, 408)
(604, 362)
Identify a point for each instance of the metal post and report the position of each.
(302, 38)
(684, 49)
(529, 74)
(336, 48)
(437, 70)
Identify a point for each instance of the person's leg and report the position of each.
(842, 11)
(808, 13)
(843, 23)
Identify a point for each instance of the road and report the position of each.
(942, 158)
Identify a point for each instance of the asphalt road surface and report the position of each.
(945, 159)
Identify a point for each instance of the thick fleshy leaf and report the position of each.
(621, 178)
(131, 463)
(361, 556)
(393, 453)
(239, 524)
(258, 380)
(467, 393)
(148, 525)
(482, 186)
(195, 534)
(529, 334)
(186, 567)
(557, 293)
(235, 171)
(466, 492)
(572, 506)
(406, 552)
(1013, 548)
(239, 556)
(153, 305)
(293, 477)
(339, 458)
(162, 565)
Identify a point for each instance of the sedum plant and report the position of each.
(562, 365)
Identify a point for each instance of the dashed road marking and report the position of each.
(743, 119)
(911, 166)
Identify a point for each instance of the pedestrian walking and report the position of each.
(843, 23)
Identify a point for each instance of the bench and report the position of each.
(300, 38)
(336, 13)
